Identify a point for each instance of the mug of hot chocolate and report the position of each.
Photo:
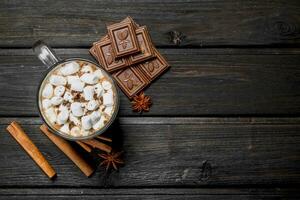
(76, 98)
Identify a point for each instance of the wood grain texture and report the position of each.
(171, 152)
(200, 82)
(172, 193)
(171, 23)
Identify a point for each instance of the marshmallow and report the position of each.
(92, 105)
(56, 100)
(47, 91)
(77, 86)
(110, 91)
(89, 78)
(51, 115)
(76, 109)
(108, 99)
(68, 96)
(98, 73)
(100, 124)
(75, 120)
(65, 128)
(55, 110)
(59, 91)
(57, 80)
(106, 85)
(87, 69)
(62, 107)
(95, 117)
(88, 93)
(98, 89)
(70, 68)
(46, 103)
(86, 122)
(108, 110)
(63, 116)
(75, 131)
(72, 79)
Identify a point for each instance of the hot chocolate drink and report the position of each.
(77, 98)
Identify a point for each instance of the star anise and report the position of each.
(111, 159)
(141, 102)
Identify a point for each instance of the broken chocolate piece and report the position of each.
(130, 81)
(123, 38)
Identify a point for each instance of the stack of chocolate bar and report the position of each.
(128, 54)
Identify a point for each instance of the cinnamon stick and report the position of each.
(65, 147)
(97, 144)
(84, 146)
(104, 138)
(22, 138)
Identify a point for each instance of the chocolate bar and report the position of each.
(123, 38)
(128, 53)
(130, 81)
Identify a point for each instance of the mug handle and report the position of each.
(45, 53)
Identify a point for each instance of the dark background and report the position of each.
(226, 117)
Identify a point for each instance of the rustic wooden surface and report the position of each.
(184, 152)
(226, 117)
(200, 82)
(150, 194)
(197, 23)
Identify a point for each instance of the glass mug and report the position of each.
(50, 60)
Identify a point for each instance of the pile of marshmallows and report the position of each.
(69, 98)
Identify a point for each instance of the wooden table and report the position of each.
(226, 117)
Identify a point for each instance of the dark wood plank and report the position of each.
(200, 82)
(199, 23)
(171, 152)
(197, 193)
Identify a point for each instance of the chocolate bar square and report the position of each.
(146, 48)
(123, 38)
(106, 56)
(154, 67)
(130, 81)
